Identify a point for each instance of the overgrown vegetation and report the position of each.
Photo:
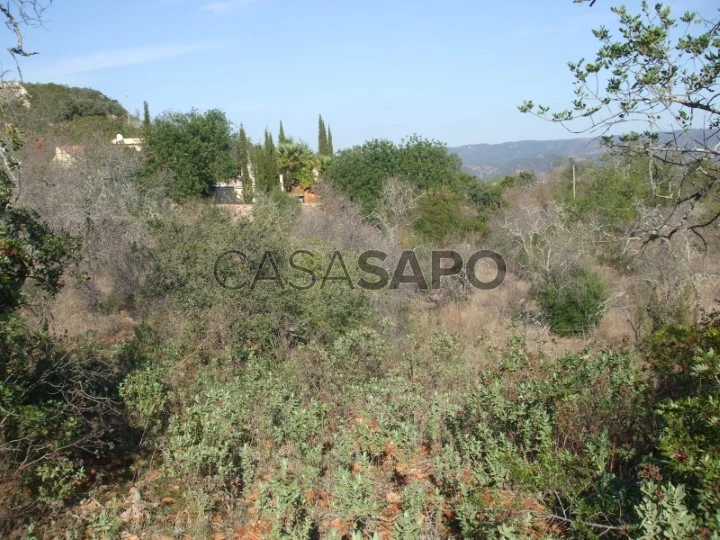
(579, 400)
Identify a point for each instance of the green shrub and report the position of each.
(688, 365)
(196, 147)
(486, 196)
(206, 439)
(663, 513)
(144, 396)
(574, 305)
(442, 212)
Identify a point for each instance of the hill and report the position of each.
(489, 160)
(492, 160)
(73, 114)
(59, 103)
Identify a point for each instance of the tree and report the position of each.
(57, 402)
(29, 250)
(297, 162)
(322, 137)
(243, 150)
(330, 149)
(362, 171)
(281, 135)
(426, 163)
(195, 147)
(661, 73)
(265, 162)
(146, 116)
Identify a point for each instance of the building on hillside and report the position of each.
(65, 155)
(135, 143)
(304, 195)
(230, 192)
(233, 192)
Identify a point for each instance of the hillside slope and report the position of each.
(491, 160)
(74, 115)
(488, 160)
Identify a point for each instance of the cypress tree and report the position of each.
(281, 136)
(322, 137)
(243, 156)
(330, 149)
(146, 115)
(270, 179)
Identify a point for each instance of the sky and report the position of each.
(451, 70)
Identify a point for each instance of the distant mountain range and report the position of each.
(492, 160)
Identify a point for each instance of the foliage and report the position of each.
(204, 439)
(324, 144)
(613, 193)
(486, 196)
(29, 250)
(195, 147)
(264, 159)
(661, 72)
(363, 171)
(273, 311)
(575, 304)
(242, 152)
(441, 212)
(426, 163)
(144, 396)
(60, 407)
(689, 369)
(663, 512)
(523, 179)
(59, 103)
(297, 162)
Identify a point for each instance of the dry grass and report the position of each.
(70, 317)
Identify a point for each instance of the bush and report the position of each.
(363, 171)
(611, 194)
(59, 404)
(196, 147)
(441, 213)
(574, 305)
(205, 439)
(688, 365)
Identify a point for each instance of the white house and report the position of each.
(130, 142)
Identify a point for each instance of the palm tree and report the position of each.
(296, 161)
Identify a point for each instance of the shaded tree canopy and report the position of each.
(196, 147)
(362, 171)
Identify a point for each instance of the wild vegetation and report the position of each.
(139, 398)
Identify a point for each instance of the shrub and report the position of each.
(442, 212)
(59, 405)
(687, 361)
(574, 305)
(196, 147)
(144, 396)
(363, 170)
(205, 439)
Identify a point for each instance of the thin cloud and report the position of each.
(123, 58)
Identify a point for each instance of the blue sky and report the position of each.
(452, 70)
